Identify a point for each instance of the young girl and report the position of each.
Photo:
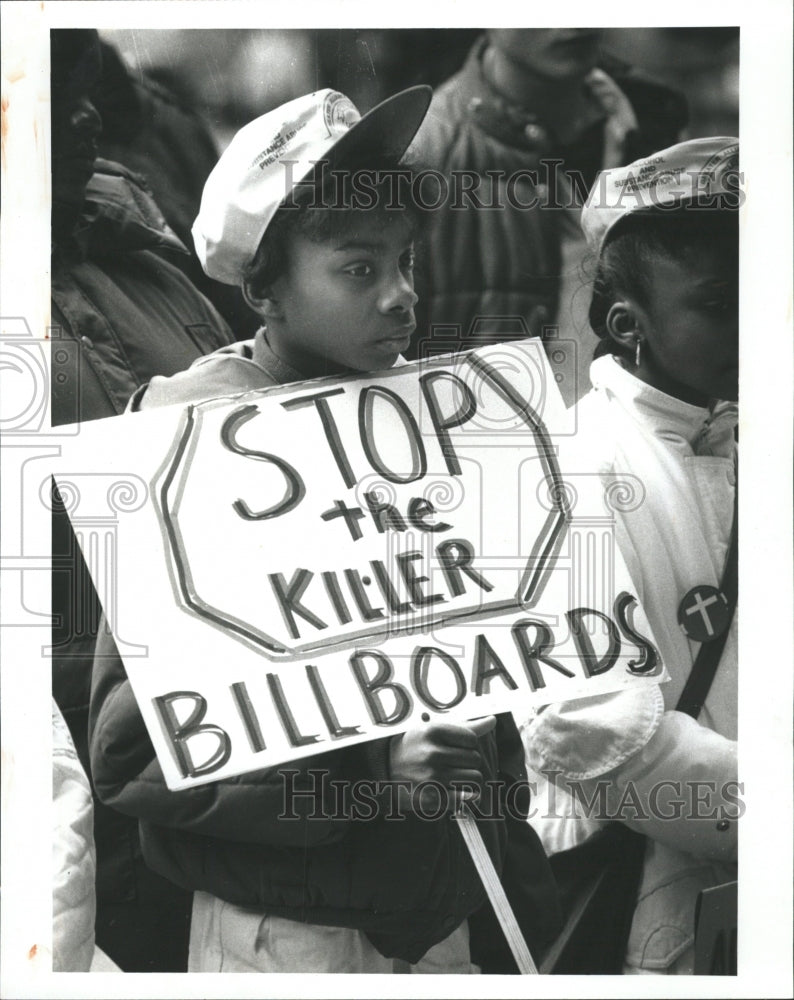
(316, 889)
(663, 411)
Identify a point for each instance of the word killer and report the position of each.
(454, 557)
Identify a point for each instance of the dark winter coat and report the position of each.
(120, 315)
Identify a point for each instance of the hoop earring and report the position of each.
(637, 352)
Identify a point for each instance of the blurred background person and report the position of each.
(547, 109)
(120, 314)
(160, 137)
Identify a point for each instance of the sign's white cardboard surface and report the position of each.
(328, 562)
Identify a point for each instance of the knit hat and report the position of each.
(272, 154)
(703, 173)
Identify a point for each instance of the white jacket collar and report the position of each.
(681, 425)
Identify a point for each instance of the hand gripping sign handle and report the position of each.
(496, 894)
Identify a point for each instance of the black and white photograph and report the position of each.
(377, 592)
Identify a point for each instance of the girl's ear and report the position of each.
(623, 324)
(263, 305)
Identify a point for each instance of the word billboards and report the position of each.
(332, 561)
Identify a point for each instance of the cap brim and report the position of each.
(385, 132)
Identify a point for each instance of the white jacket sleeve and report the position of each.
(662, 773)
(74, 857)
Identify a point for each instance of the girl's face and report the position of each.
(346, 302)
(690, 326)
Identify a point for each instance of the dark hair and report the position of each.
(75, 61)
(323, 208)
(625, 266)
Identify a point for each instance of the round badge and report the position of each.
(339, 113)
(704, 613)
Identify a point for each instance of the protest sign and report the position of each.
(298, 568)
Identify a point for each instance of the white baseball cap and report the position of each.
(700, 171)
(275, 152)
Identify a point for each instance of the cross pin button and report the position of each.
(704, 613)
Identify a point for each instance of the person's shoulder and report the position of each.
(436, 135)
(227, 372)
(444, 122)
(122, 214)
(662, 111)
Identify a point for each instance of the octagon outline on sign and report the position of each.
(168, 485)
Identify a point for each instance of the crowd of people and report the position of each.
(179, 275)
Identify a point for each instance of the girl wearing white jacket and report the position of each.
(663, 409)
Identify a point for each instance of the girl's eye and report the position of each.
(359, 270)
(408, 260)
